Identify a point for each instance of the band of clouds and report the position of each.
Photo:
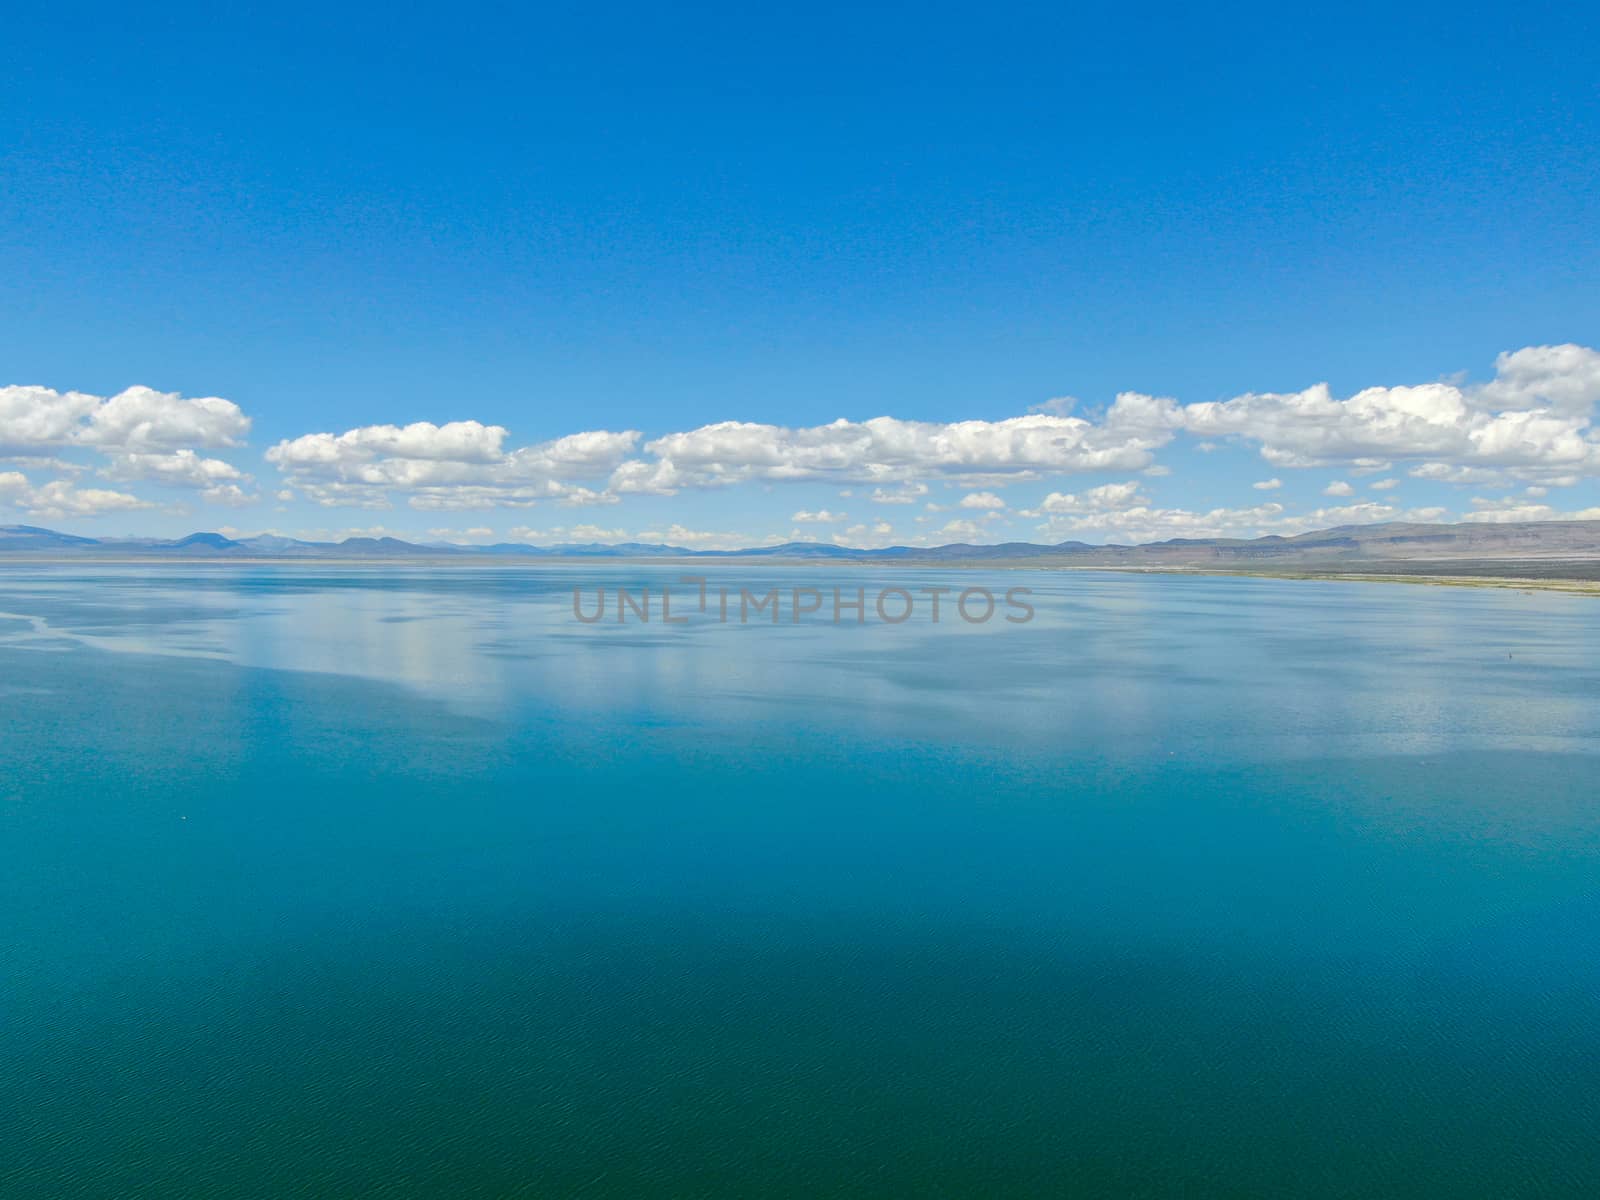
(464, 463)
(144, 436)
(1532, 424)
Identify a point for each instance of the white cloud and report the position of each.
(1440, 472)
(456, 466)
(60, 499)
(144, 419)
(1511, 509)
(560, 534)
(1531, 420)
(820, 517)
(45, 462)
(145, 435)
(698, 539)
(1531, 424)
(138, 419)
(176, 468)
(1121, 513)
(1105, 498)
(456, 442)
(962, 531)
(987, 500)
(229, 495)
(908, 494)
(674, 535)
(1144, 522)
(875, 533)
(1564, 379)
(1369, 466)
(889, 450)
(1058, 406)
(38, 417)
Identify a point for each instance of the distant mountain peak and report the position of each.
(214, 540)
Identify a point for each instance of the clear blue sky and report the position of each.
(562, 218)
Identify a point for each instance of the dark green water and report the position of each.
(394, 882)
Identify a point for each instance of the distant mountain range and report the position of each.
(1343, 547)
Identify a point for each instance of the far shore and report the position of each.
(1579, 587)
(1575, 577)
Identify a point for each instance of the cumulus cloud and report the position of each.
(1439, 472)
(144, 434)
(889, 450)
(33, 418)
(1122, 513)
(1532, 423)
(45, 462)
(1058, 406)
(138, 419)
(1532, 420)
(455, 466)
(177, 468)
(865, 532)
(985, 500)
(229, 495)
(675, 535)
(1564, 379)
(1105, 498)
(907, 494)
(561, 534)
(699, 539)
(820, 517)
(60, 498)
(1145, 522)
(144, 419)
(962, 531)
(1511, 509)
(457, 441)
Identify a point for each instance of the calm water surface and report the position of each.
(396, 881)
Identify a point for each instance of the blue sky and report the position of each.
(562, 223)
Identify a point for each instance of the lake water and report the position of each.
(399, 881)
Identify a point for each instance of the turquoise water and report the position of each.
(390, 881)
